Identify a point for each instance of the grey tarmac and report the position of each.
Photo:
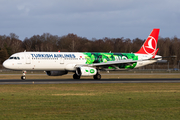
(72, 81)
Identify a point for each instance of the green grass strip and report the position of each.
(123, 101)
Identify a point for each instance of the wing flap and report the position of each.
(113, 63)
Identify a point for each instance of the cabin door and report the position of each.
(28, 58)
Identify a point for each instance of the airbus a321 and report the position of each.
(84, 63)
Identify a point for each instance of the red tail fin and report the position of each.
(150, 45)
(155, 53)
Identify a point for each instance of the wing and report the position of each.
(114, 64)
(109, 63)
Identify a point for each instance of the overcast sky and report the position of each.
(90, 18)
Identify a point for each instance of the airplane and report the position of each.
(84, 63)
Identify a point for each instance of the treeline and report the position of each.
(73, 43)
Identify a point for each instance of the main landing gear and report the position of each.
(75, 76)
(23, 77)
(97, 76)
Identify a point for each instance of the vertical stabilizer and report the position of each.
(150, 45)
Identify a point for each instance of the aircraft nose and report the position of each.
(5, 64)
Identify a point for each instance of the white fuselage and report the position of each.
(62, 61)
(44, 61)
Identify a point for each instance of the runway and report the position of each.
(72, 81)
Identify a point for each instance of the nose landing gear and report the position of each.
(23, 77)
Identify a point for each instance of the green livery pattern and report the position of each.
(104, 57)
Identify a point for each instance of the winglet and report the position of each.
(150, 45)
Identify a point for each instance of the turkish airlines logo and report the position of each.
(150, 45)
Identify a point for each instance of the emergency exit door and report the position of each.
(61, 60)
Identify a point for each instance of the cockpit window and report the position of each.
(15, 58)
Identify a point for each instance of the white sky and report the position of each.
(90, 18)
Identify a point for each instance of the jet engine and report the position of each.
(86, 71)
(56, 73)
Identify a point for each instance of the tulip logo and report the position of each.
(150, 45)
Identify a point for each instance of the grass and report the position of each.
(91, 101)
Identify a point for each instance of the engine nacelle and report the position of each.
(86, 71)
(56, 73)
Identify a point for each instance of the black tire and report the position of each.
(23, 77)
(97, 77)
(75, 76)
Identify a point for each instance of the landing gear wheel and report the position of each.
(23, 77)
(75, 76)
(97, 77)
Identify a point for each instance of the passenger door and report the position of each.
(28, 58)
